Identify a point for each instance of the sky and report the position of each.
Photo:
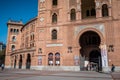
(15, 10)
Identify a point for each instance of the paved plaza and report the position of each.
(56, 75)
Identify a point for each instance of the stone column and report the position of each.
(17, 62)
(78, 13)
(104, 56)
(25, 57)
(12, 61)
(98, 9)
(109, 10)
(68, 17)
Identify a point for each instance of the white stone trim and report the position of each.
(99, 27)
(8, 67)
(54, 45)
(57, 68)
(62, 68)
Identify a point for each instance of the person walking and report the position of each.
(112, 68)
(2, 67)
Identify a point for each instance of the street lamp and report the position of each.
(40, 50)
(111, 48)
(69, 49)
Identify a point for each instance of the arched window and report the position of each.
(33, 37)
(11, 30)
(93, 13)
(17, 30)
(13, 39)
(87, 13)
(13, 47)
(50, 59)
(88, 9)
(54, 2)
(73, 14)
(104, 10)
(54, 18)
(57, 59)
(54, 34)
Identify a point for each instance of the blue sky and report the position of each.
(15, 10)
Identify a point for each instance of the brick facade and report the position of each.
(66, 35)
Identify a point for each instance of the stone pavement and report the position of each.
(116, 75)
(55, 75)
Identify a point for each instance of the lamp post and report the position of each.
(69, 49)
(111, 48)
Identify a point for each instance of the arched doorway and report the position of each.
(15, 62)
(95, 59)
(20, 62)
(89, 42)
(28, 61)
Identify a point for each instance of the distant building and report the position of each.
(2, 46)
(67, 35)
(2, 53)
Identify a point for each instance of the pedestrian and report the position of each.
(2, 67)
(113, 68)
(88, 67)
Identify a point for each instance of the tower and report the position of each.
(13, 40)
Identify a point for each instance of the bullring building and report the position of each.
(67, 35)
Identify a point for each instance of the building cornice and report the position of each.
(29, 22)
(12, 22)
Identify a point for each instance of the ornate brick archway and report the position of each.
(90, 29)
(101, 42)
